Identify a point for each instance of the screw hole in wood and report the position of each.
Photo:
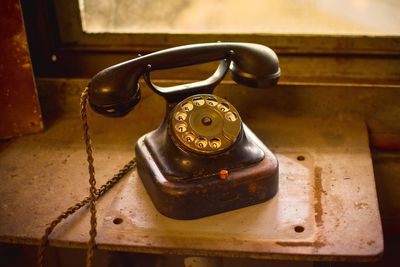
(118, 220)
(299, 229)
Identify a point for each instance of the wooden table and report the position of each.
(326, 208)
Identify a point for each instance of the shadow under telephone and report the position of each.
(202, 159)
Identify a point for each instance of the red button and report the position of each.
(223, 174)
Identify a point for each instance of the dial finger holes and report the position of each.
(198, 101)
(181, 127)
(201, 142)
(187, 106)
(230, 116)
(204, 124)
(189, 137)
(211, 101)
(224, 107)
(180, 116)
(215, 143)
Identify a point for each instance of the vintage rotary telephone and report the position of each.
(202, 160)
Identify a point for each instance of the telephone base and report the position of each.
(243, 187)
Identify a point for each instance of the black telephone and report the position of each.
(202, 159)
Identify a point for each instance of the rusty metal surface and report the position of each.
(266, 223)
(330, 193)
(19, 104)
(326, 207)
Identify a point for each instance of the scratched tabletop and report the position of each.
(326, 207)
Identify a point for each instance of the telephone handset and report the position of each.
(202, 159)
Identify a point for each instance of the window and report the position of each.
(317, 41)
(326, 17)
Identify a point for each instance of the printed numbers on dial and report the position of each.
(195, 119)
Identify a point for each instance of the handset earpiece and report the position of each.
(257, 66)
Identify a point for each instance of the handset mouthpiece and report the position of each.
(115, 91)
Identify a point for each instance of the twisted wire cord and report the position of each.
(94, 194)
(92, 179)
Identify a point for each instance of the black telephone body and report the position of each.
(203, 159)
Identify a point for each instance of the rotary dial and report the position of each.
(205, 124)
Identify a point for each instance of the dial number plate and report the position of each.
(205, 124)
